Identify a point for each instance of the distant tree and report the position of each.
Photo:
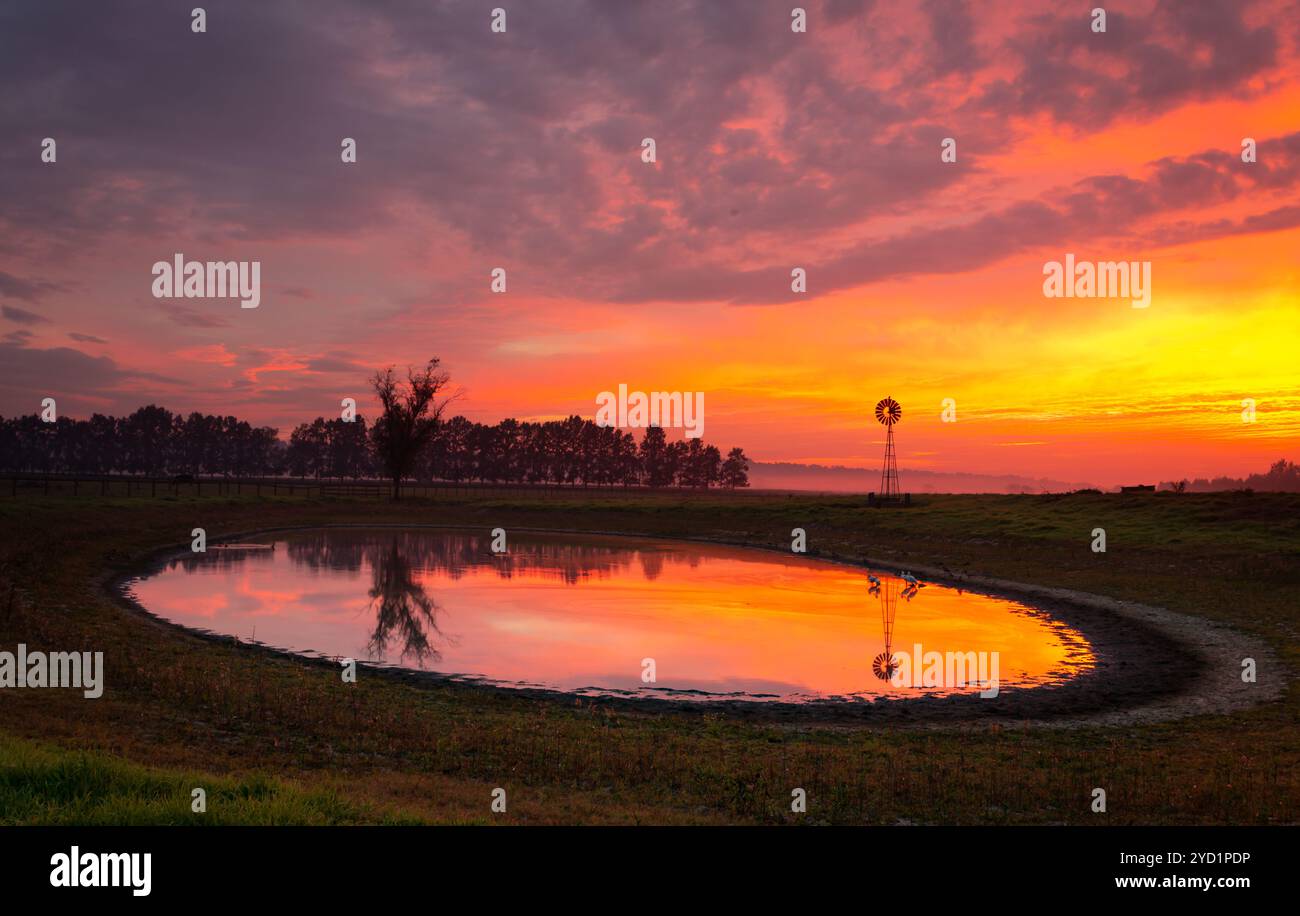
(422, 444)
(735, 470)
(567, 443)
(690, 462)
(309, 449)
(410, 416)
(447, 453)
(348, 445)
(264, 451)
(626, 469)
(508, 451)
(710, 465)
(105, 444)
(656, 467)
(197, 443)
(485, 451)
(237, 438)
(1282, 477)
(592, 464)
(148, 435)
(675, 466)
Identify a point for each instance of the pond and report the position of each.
(611, 615)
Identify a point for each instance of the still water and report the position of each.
(595, 614)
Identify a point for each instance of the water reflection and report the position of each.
(403, 609)
(885, 664)
(457, 554)
(580, 613)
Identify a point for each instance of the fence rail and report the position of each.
(18, 485)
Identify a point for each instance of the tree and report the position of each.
(198, 445)
(710, 465)
(148, 437)
(309, 449)
(656, 469)
(690, 463)
(411, 413)
(447, 455)
(106, 444)
(735, 470)
(423, 446)
(676, 469)
(349, 449)
(263, 448)
(625, 468)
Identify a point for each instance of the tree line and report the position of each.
(409, 441)
(1282, 476)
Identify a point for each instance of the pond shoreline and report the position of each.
(1152, 664)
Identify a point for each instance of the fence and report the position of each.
(18, 485)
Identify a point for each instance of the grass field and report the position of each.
(275, 740)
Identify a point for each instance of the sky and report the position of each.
(774, 150)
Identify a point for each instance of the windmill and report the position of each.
(889, 412)
(884, 665)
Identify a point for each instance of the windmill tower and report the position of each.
(884, 665)
(888, 412)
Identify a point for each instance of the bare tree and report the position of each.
(411, 412)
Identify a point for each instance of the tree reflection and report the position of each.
(405, 615)
(457, 554)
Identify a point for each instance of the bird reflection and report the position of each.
(405, 615)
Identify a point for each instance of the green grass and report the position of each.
(174, 705)
(44, 785)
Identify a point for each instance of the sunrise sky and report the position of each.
(775, 150)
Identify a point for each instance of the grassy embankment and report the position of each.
(276, 740)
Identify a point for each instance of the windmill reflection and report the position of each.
(405, 615)
(888, 591)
